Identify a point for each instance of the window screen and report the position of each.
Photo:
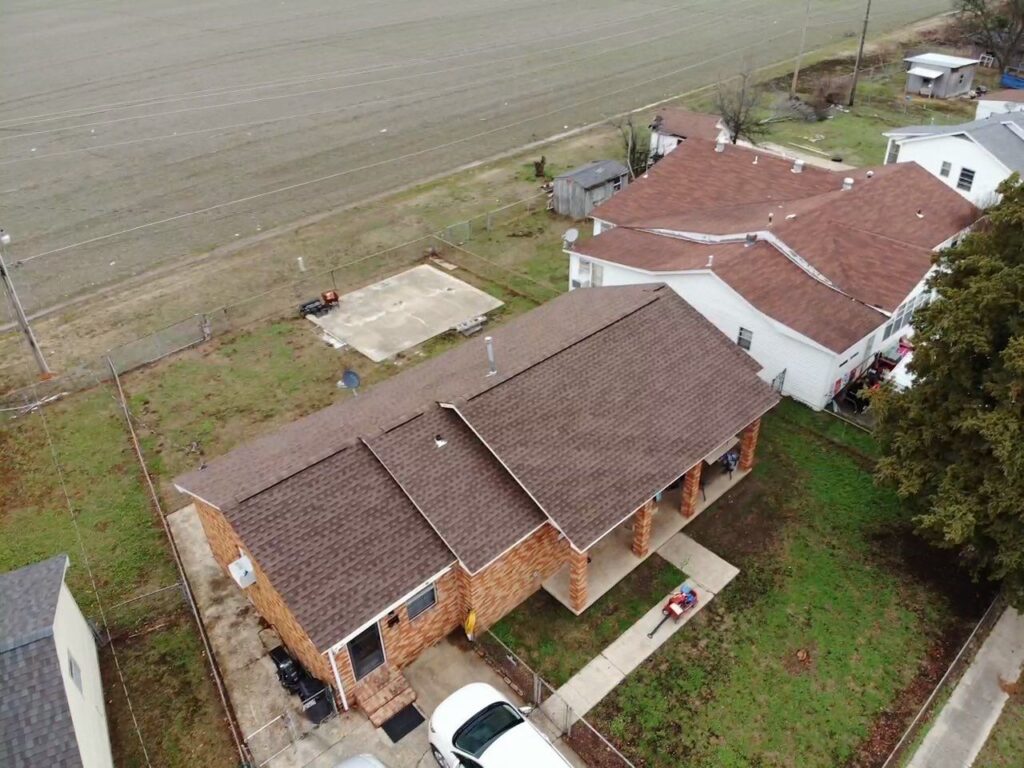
(421, 602)
(946, 168)
(966, 180)
(745, 338)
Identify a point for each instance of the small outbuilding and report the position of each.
(578, 191)
(940, 76)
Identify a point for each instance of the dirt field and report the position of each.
(134, 135)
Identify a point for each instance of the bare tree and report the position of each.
(997, 25)
(636, 145)
(738, 102)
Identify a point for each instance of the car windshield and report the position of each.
(481, 731)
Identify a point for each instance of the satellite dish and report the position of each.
(349, 380)
(571, 235)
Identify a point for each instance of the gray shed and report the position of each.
(578, 191)
(940, 76)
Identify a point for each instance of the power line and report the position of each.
(92, 579)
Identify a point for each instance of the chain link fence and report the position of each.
(282, 733)
(551, 714)
(449, 245)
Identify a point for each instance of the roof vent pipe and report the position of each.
(492, 368)
(798, 166)
(848, 183)
(711, 261)
(720, 146)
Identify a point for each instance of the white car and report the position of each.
(361, 761)
(477, 727)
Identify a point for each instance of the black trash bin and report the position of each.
(316, 699)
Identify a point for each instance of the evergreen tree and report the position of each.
(953, 444)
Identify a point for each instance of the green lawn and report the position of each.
(1005, 745)
(557, 644)
(160, 653)
(821, 574)
(856, 135)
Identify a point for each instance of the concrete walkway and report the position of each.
(707, 574)
(963, 725)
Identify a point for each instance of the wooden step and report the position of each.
(382, 693)
(393, 707)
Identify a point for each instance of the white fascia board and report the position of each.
(404, 599)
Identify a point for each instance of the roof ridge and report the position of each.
(616, 321)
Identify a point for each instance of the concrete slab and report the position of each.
(633, 646)
(962, 727)
(702, 565)
(591, 684)
(402, 311)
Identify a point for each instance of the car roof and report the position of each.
(453, 712)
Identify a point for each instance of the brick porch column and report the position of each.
(642, 522)
(691, 490)
(748, 445)
(577, 579)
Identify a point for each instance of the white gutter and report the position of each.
(337, 678)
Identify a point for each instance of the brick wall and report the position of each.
(514, 576)
(404, 641)
(268, 602)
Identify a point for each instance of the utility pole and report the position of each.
(860, 54)
(19, 310)
(800, 56)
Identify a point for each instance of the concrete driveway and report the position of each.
(271, 719)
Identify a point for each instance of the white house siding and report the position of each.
(960, 152)
(73, 637)
(775, 347)
(662, 144)
(988, 107)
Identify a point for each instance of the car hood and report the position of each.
(523, 746)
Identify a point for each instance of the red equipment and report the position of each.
(678, 604)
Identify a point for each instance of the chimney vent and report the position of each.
(711, 261)
(771, 217)
(492, 368)
(719, 146)
(439, 441)
(870, 174)
(798, 166)
(848, 183)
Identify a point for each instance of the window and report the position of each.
(421, 602)
(617, 185)
(966, 180)
(946, 168)
(904, 315)
(484, 728)
(74, 671)
(582, 274)
(745, 338)
(894, 152)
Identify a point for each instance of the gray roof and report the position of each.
(1000, 134)
(940, 60)
(35, 721)
(596, 173)
(28, 601)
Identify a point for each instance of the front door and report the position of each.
(365, 651)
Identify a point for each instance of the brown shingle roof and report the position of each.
(873, 242)
(461, 372)
(340, 542)
(466, 495)
(1006, 94)
(599, 429)
(676, 121)
(353, 507)
(761, 273)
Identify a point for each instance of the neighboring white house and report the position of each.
(812, 272)
(673, 125)
(972, 158)
(1000, 103)
(940, 76)
(52, 708)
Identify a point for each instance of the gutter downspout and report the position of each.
(337, 679)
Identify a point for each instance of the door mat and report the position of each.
(403, 723)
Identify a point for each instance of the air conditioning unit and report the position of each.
(242, 572)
